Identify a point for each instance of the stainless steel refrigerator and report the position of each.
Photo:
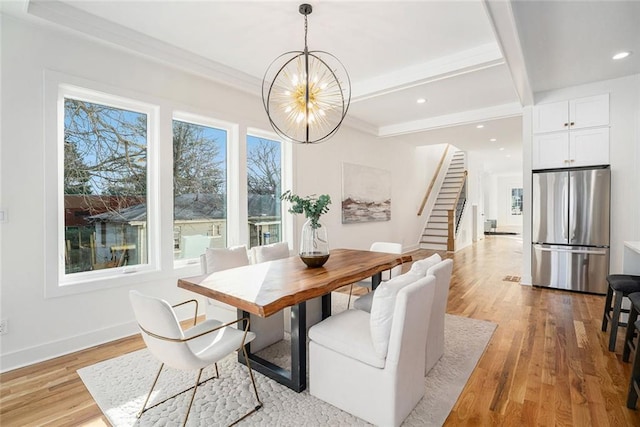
(570, 229)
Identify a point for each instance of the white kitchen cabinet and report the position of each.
(586, 147)
(571, 133)
(579, 113)
(589, 147)
(550, 150)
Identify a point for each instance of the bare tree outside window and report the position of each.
(199, 188)
(264, 177)
(105, 178)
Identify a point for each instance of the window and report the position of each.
(516, 201)
(101, 186)
(199, 187)
(264, 186)
(104, 186)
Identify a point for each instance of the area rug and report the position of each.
(119, 387)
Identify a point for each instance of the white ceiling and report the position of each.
(474, 61)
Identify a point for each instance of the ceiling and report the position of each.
(475, 62)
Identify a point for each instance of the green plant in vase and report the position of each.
(314, 244)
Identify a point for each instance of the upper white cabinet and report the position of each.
(571, 133)
(583, 147)
(580, 113)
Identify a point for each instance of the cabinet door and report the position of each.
(550, 151)
(551, 117)
(589, 147)
(589, 111)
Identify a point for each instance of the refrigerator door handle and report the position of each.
(576, 251)
(566, 207)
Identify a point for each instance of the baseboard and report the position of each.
(53, 349)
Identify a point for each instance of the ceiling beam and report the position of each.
(467, 61)
(504, 27)
(455, 119)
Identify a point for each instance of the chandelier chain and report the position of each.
(305, 32)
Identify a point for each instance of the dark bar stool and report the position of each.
(634, 382)
(620, 286)
(632, 332)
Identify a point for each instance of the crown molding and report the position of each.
(106, 31)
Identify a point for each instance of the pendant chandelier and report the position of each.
(306, 94)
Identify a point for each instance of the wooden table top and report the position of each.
(266, 288)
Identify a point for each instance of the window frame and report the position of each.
(59, 86)
(286, 180)
(232, 131)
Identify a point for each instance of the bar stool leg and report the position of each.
(615, 319)
(630, 334)
(634, 383)
(607, 309)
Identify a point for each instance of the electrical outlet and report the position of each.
(4, 326)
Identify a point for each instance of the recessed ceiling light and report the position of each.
(493, 140)
(480, 126)
(501, 148)
(621, 55)
(421, 101)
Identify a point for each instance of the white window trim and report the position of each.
(232, 162)
(57, 283)
(286, 171)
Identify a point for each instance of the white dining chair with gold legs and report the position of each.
(195, 348)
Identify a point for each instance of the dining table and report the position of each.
(266, 288)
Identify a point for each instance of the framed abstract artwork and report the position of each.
(366, 194)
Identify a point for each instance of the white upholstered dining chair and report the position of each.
(280, 250)
(435, 334)
(372, 364)
(268, 330)
(441, 270)
(390, 247)
(419, 267)
(270, 252)
(195, 348)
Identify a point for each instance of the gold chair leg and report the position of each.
(150, 391)
(193, 395)
(255, 390)
(195, 388)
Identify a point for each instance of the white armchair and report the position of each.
(195, 348)
(268, 330)
(371, 365)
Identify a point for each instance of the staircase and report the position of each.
(434, 235)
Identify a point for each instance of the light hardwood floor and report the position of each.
(547, 363)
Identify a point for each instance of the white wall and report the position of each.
(625, 160)
(41, 328)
